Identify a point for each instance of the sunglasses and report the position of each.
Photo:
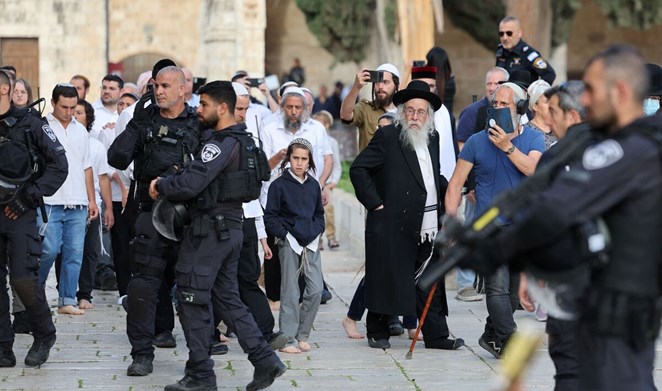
(508, 33)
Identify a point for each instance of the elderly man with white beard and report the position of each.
(500, 160)
(397, 179)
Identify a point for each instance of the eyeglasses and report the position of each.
(508, 33)
(420, 113)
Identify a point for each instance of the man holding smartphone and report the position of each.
(365, 114)
(500, 160)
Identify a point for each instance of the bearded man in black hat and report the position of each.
(396, 178)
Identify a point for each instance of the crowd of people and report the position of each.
(95, 188)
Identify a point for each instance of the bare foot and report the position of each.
(290, 349)
(85, 304)
(224, 339)
(70, 310)
(304, 346)
(274, 305)
(412, 334)
(350, 328)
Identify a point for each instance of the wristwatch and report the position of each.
(510, 150)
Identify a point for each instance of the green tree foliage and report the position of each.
(342, 27)
(563, 11)
(479, 18)
(640, 14)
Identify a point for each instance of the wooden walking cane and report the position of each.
(420, 322)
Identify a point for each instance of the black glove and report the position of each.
(27, 199)
(142, 113)
(479, 254)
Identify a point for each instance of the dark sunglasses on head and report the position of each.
(508, 33)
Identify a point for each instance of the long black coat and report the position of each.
(386, 173)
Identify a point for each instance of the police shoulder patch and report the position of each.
(532, 55)
(539, 63)
(49, 132)
(210, 152)
(602, 155)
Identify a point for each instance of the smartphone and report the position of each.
(255, 82)
(272, 82)
(419, 63)
(500, 117)
(376, 76)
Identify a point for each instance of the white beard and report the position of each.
(412, 138)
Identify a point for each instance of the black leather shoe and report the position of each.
(445, 344)
(21, 323)
(396, 329)
(187, 383)
(379, 343)
(264, 376)
(7, 359)
(278, 340)
(326, 296)
(39, 351)
(219, 348)
(165, 339)
(141, 366)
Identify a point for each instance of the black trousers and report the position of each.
(20, 249)
(120, 237)
(608, 363)
(435, 327)
(248, 272)
(563, 352)
(154, 258)
(206, 276)
(272, 272)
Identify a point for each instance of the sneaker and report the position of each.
(124, 302)
(141, 366)
(187, 383)
(278, 340)
(21, 323)
(493, 347)
(39, 351)
(264, 376)
(7, 358)
(326, 296)
(468, 294)
(165, 339)
(219, 349)
(379, 343)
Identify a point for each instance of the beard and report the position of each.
(292, 124)
(207, 123)
(413, 138)
(383, 102)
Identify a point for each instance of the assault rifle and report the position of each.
(486, 226)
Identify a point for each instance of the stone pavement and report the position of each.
(92, 352)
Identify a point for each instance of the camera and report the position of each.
(255, 82)
(376, 76)
(198, 82)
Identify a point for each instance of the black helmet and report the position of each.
(15, 170)
(169, 218)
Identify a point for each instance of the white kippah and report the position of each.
(389, 68)
(239, 89)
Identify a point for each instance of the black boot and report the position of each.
(39, 351)
(141, 366)
(188, 383)
(265, 375)
(7, 358)
(21, 323)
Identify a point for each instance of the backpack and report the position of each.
(244, 184)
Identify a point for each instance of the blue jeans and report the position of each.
(65, 232)
(499, 285)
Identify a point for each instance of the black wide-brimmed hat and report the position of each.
(520, 77)
(655, 86)
(417, 89)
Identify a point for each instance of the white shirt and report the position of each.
(125, 176)
(275, 137)
(76, 143)
(337, 169)
(442, 122)
(100, 166)
(102, 116)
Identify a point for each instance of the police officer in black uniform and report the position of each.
(159, 136)
(24, 142)
(620, 180)
(206, 271)
(513, 53)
